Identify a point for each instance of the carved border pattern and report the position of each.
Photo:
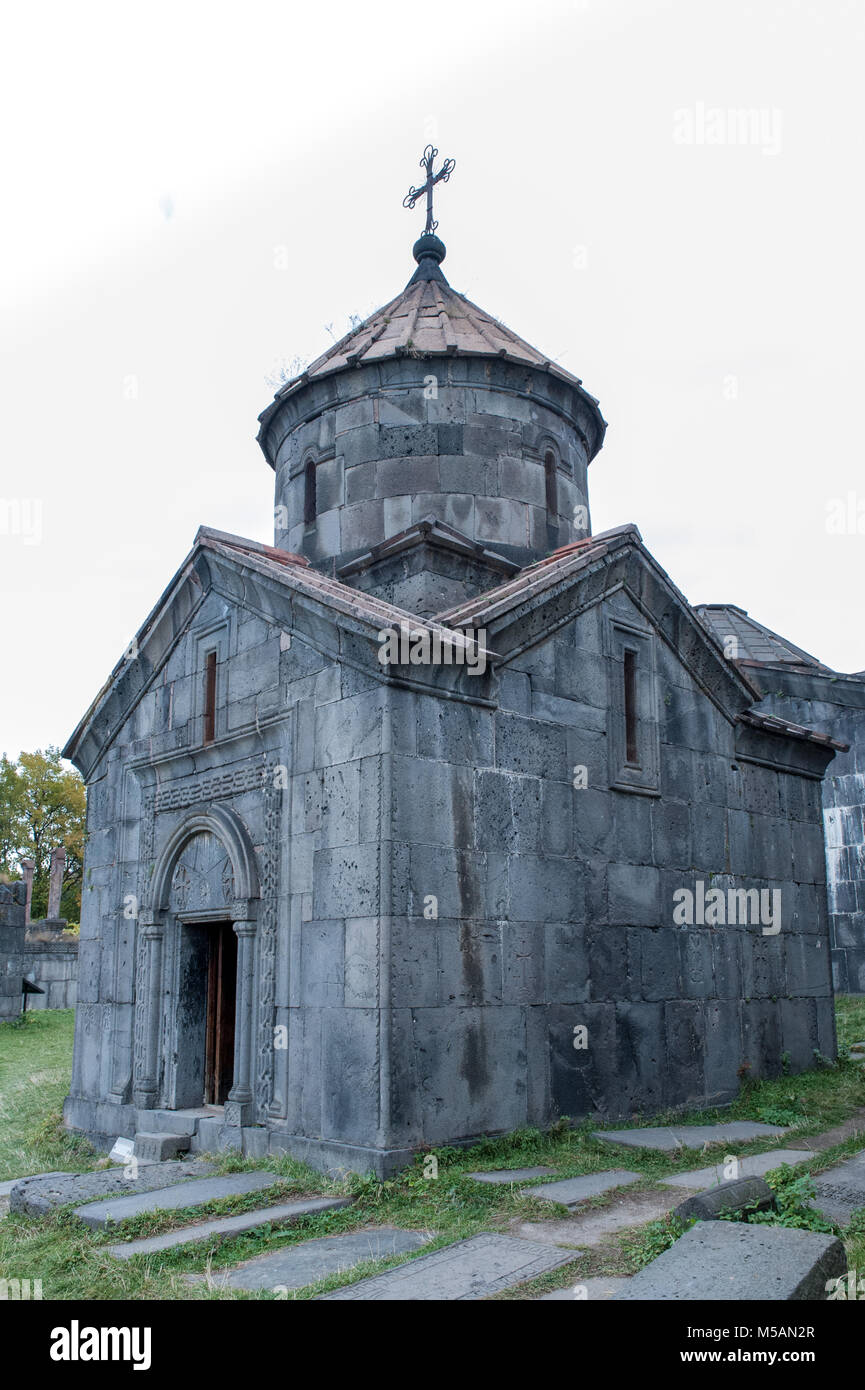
(189, 793)
(145, 863)
(267, 934)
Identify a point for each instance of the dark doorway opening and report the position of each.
(221, 997)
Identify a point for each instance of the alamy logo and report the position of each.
(433, 646)
(77, 1343)
(736, 907)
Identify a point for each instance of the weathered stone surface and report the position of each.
(841, 1190)
(569, 1191)
(470, 1269)
(226, 1226)
(155, 1148)
(688, 1136)
(44, 1191)
(733, 1196)
(437, 876)
(297, 1265)
(179, 1195)
(506, 1175)
(730, 1261)
(751, 1166)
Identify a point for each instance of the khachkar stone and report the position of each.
(27, 867)
(53, 920)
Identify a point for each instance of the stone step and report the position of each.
(226, 1226)
(174, 1121)
(40, 1194)
(726, 1261)
(688, 1136)
(185, 1194)
(569, 1191)
(751, 1166)
(470, 1269)
(155, 1148)
(295, 1266)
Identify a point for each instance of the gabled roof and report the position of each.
(429, 531)
(289, 575)
(756, 642)
(535, 579)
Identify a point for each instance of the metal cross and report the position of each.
(427, 187)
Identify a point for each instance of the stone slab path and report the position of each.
(840, 1190)
(470, 1269)
(729, 1261)
(183, 1194)
(570, 1191)
(503, 1175)
(596, 1224)
(227, 1226)
(751, 1166)
(590, 1290)
(295, 1266)
(40, 1194)
(688, 1136)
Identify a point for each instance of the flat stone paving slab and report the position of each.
(295, 1266)
(596, 1224)
(751, 1166)
(584, 1291)
(43, 1192)
(471, 1269)
(569, 1191)
(840, 1190)
(728, 1261)
(504, 1175)
(226, 1226)
(182, 1194)
(688, 1136)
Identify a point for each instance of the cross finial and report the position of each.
(428, 185)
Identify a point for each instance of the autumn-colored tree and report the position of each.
(43, 805)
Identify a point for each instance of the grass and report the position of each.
(74, 1263)
(35, 1063)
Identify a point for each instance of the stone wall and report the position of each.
(54, 966)
(555, 905)
(388, 453)
(51, 964)
(835, 706)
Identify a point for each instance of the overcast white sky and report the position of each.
(163, 161)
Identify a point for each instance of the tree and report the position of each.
(43, 805)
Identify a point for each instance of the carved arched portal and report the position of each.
(205, 882)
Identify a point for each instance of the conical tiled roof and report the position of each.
(428, 318)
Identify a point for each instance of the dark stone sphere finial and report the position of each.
(429, 246)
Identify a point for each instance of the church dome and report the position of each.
(430, 413)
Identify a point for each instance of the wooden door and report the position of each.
(221, 996)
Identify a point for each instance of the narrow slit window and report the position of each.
(630, 673)
(552, 486)
(210, 697)
(309, 499)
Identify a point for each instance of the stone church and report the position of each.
(349, 899)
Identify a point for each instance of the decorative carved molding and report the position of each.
(171, 881)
